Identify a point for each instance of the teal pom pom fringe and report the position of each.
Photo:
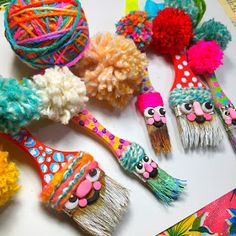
(19, 104)
(213, 30)
(194, 8)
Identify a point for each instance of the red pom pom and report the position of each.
(205, 57)
(172, 31)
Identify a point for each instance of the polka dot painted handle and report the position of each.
(48, 160)
(184, 76)
(86, 120)
(146, 86)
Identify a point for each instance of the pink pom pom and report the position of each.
(205, 57)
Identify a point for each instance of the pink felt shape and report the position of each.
(154, 164)
(148, 168)
(157, 117)
(191, 117)
(146, 175)
(232, 113)
(228, 120)
(84, 188)
(150, 121)
(163, 119)
(205, 57)
(145, 100)
(198, 109)
(83, 202)
(208, 116)
(97, 185)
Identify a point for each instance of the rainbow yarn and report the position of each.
(136, 26)
(47, 33)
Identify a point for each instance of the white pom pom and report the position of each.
(63, 93)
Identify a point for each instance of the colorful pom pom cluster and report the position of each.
(8, 178)
(138, 27)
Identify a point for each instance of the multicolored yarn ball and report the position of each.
(47, 33)
(205, 57)
(63, 94)
(8, 178)
(213, 30)
(112, 69)
(172, 31)
(138, 27)
(19, 104)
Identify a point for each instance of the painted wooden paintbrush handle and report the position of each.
(86, 120)
(48, 160)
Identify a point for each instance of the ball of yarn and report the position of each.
(47, 33)
(112, 69)
(172, 31)
(213, 30)
(138, 27)
(8, 178)
(19, 104)
(205, 57)
(63, 94)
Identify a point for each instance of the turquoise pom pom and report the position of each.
(213, 30)
(19, 104)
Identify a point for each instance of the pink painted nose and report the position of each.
(232, 113)
(157, 117)
(198, 109)
(83, 189)
(148, 168)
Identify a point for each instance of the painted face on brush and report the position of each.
(87, 192)
(197, 112)
(155, 116)
(229, 115)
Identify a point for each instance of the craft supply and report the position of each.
(112, 69)
(189, 97)
(150, 104)
(8, 178)
(73, 182)
(152, 7)
(205, 57)
(47, 33)
(136, 26)
(133, 159)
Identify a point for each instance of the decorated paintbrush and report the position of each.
(72, 181)
(138, 27)
(133, 159)
(204, 58)
(189, 97)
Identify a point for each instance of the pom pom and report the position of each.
(213, 30)
(172, 31)
(112, 68)
(47, 33)
(19, 104)
(205, 57)
(63, 93)
(8, 178)
(138, 27)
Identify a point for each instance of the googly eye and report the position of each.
(72, 203)
(140, 168)
(147, 160)
(207, 107)
(161, 110)
(149, 112)
(93, 175)
(226, 114)
(186, 108)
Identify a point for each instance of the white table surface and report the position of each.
(210, 174)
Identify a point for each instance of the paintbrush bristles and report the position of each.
(102, 217)
(195, 135)
(160, 139)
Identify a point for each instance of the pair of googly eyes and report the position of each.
(149, 111)
(226, 114)
(187, 108)
(140, 166)
(73, 201)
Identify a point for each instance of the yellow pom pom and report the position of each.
(8, 178)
